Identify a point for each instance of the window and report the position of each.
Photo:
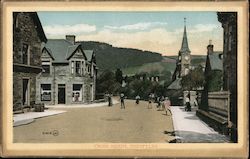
(25, 54)
(45, 92)
(89, 69)
(78, 68)
(72, 67)
(46, 66)
(77, 93)
(82, 67)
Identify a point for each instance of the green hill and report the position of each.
(151, 68)
(109, 57)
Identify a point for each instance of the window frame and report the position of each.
(42, 91)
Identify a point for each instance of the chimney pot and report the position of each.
(71, 38)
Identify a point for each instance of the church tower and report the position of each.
(184, 57)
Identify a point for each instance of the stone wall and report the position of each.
(217, 115)
(24, 31)
(18, 86)
(218, 102)
(63, 76)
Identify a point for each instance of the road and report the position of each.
(135, 124)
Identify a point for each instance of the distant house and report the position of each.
(28, 37)
(69, 73)
(214, 69)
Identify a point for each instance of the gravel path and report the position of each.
(135, 124)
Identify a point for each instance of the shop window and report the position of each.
(77, 93)
(45, 92)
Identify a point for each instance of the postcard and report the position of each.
(124, 79)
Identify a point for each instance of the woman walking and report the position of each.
(167, 104)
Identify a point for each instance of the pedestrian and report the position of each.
(195, 100)
(161, 101)
(158, 102)
(150, 101)
(188, 106)
(109, 100)
(122, 101)
(167, 104)
(137, 99)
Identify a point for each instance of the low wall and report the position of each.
(218, 113)
(219, 103)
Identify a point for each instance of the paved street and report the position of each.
(135, 124)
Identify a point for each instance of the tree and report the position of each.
(194, 79)
(118, 76)
(106, 83)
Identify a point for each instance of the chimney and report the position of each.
(71, 38)
(210, 47)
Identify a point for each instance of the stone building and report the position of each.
(69, 73)
(229, 24)
(219, 108)
(28, 36)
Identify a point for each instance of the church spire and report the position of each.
(184, 45)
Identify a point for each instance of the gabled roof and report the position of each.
(89, 54)
(60, 49)
(176, 84)
(49, 52)
(72, 49)
(215, 60)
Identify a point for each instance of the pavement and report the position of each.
(188, 128)
(29, 117)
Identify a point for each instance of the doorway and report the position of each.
(61, 93)
(25, 99)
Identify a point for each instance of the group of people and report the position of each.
(164, 103)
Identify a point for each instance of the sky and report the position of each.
(160, 32)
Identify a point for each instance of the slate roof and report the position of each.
(89, 54)
(216, 62)
(176, 84)
(60, 49)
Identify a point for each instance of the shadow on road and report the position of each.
(194, 137)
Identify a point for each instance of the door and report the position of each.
(25, 92)
(61, 93)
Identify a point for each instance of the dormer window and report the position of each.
(46, 66)
(78, 68)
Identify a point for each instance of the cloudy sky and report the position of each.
(154, 31)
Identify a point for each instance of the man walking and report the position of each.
(122, 101)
